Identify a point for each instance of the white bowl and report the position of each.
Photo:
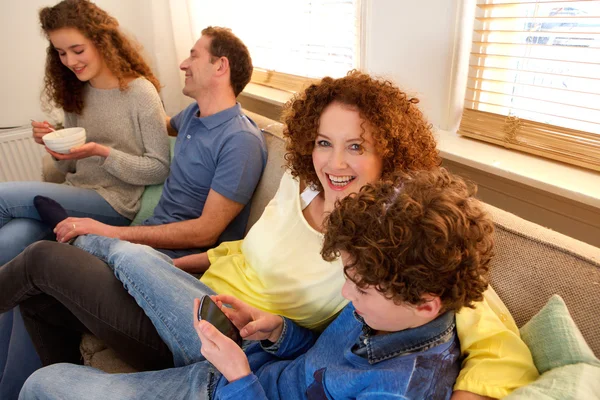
(63, 140)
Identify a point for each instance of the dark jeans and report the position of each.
(64, 292)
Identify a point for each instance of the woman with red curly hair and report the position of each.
(102, 83)
(341, 134)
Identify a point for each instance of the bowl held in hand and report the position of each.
(63, 140)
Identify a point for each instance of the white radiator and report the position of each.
(20, 156)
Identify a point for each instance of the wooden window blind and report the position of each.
(292, 42)
(534, 78)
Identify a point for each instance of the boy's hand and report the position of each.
(254, 324)
(221, 351)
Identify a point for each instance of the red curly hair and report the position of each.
(421, 233)
(401, 134)
(121, 55)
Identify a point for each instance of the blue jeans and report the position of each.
(19, 227)
(67, 381)
(166, 295)
(163, 291)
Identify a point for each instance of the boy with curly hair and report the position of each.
(415, 251)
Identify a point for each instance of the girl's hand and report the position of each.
(221, 351)
(254, 324)
(40, 129)
(84, 151)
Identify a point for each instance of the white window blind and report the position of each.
(291, 41)
(534, 78)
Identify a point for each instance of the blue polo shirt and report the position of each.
(225, 152)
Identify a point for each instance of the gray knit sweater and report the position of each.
(132, 124)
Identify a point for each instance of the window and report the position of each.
(534, 78)
(292, 42)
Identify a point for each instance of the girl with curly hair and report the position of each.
(100, 80)
(102, 83)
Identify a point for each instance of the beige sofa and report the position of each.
(530, 265)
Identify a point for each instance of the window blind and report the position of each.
(534, 78)
(292, 42)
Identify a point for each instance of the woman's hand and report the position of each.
(254, 324)
(194, 263)
(72, 227)
(40, 129)
(221, 351)
(462, 395)
(84, 151)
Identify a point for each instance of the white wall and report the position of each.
(21, 71)
(412, 43)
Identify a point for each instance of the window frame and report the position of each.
(294, 83)
(576, 147)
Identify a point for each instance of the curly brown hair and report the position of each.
(401, 134)
(225, 44)
(121, 55)
(422, 233)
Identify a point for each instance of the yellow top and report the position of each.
(278, 266)
(496, 360)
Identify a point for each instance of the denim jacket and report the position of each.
(348, 361)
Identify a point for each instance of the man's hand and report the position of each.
(220, 350)
(72, 227)
(254, 324)
(84, 151)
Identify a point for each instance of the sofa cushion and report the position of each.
(269, 182)
(554, 339)
(569, 369)
(532, 263)
(151, 195)
(569, 382)
(96, 353)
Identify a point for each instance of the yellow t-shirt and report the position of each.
(496, 360)
(278, 266)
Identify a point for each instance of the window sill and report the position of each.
(554, 177)
(267, 94)
(276, 97)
